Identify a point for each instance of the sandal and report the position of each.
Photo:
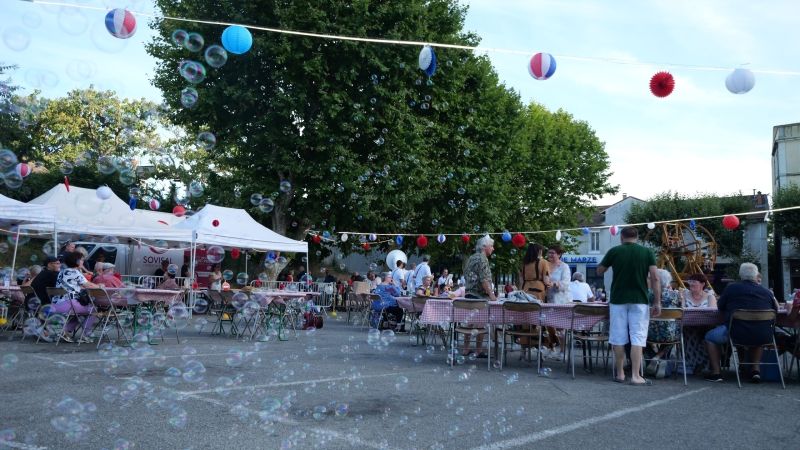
(646, 383)
(619, 380)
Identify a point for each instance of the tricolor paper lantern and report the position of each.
(662, 84)
(237, 39)
(441, 238)
(154, 204)
(104, 192)
(730, 222)
(740, 81)
(399, 240)
(372, 237)
(121, 23)
(427, 60)
(542, 66)
(614, 230)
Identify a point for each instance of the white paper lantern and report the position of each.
(558, 235)
(740, 81)
(104, 192)
(345, 237)
(651, 226)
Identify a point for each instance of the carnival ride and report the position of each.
(686, 250)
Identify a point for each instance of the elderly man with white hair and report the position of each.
(745, 294)
(579, 290)
(478, 279)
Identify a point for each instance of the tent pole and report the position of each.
(246, 255)
(14, 259)
(192, 263)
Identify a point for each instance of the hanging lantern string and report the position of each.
(421, 43)
(600, 227)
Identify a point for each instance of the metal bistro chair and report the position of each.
(762, 318)
(671, 315)
(225, 311)
(471, 307)
(528, 331)
(358, 300)
(28, 310)
(58, 292)
(108, 312)
(417, 306)
(587, 337)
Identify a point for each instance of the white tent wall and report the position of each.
(16, 211)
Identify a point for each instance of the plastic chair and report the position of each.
(586, 337)
(671, 315)
(764, 318)
(470, 306)
(529, 331)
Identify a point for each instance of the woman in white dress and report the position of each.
(560, 278)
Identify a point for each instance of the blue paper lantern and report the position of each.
(427, 60)
(585, 230)
(271, 256)
(399, 240)
(506, 236)
(326, 234)
(237, 39)
(132, 203)
(692, 225)
(441, 238)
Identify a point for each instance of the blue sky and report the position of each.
(699, 139)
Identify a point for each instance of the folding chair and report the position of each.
(357, 299)
(366, 318)
(765, 318)
(528, 331)
(31, 305)
(671, 315)
(226, 309)
(108, 313)
(470, 307)
(587, 337)
(57, 292)
(417, 306)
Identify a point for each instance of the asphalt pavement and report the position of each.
(340, 387)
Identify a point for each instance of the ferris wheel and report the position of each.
(686, 250)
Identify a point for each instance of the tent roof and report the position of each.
(235, 228)
(17, 211)
(79, 210)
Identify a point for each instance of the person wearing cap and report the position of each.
(169, 282)
(106, 277)
(579, 290)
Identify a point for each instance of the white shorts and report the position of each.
(629, 323)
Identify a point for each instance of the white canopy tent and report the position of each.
(80, 211)
(235, 228)
(16, 211)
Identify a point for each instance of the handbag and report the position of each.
(83, 298)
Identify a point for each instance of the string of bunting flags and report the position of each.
(236, 39)
(518, 238)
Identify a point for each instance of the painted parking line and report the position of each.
(301, 382)
(13, 444)
(544, 434)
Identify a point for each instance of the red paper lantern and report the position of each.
(730, 222)
(422, 241)
(465, 238)
(316, 239)
(235, 253)
(179, 211)
(366, 246)
(662, 84)
(195, 285)
(518, 240)
(215, 222)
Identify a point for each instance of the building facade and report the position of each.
(786, 172)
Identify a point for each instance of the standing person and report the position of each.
(423, 270)
(399, 275)
(628, 309)
(559, 275)
(478, 278)
(579, 290)
(535, 274)
(409, 278)
(215, 278)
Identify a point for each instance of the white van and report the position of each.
(134, 260)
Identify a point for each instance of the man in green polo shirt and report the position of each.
(628, 309)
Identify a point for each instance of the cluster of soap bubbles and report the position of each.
(72, 418)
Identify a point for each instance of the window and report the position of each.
(594, 242)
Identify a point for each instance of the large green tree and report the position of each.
(366, 140)
(788, 221)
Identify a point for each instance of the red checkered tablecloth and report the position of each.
(552, 315)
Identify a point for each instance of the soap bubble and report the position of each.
(13, 180)
(266, 205)
(196, 189)
(255, 199)
(194, 42)
(192, 71)
(66, 167)
(285, 186)
(179, 37)
(241, 278)
(189, 97)
(215, 254)
(227, 274)
(216, 56)
(206, 140)
(105, 165)
(16, 38)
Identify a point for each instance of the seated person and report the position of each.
(696, 296)
(169, 282)
(72, 280)
(46, 278)
(373, 281)
(579, 290)
(106, 278)
(427, 287)
(745, 294)
(387, 303)
(163, 269)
